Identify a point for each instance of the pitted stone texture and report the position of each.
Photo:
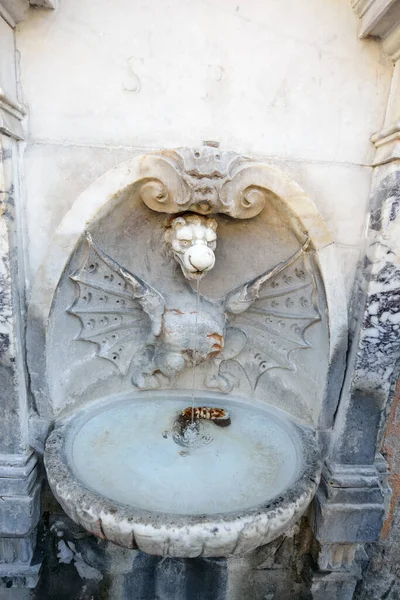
(185, 535)
(19, 485)
(130, 233)
(375, 346)
(348, 507)
(151, 338)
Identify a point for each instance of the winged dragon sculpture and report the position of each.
(258, 324)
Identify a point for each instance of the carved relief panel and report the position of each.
(126, 313)
(258, 324)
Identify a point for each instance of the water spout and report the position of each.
(193, 239)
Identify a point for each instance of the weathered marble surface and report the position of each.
(304, 103)
(289, 213)
(19, 483)
(375, 345)
(290, 277)
(185, 535)
(57, 175)
(353, 496)
(145, 84)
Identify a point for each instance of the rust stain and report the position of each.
(216, 336)
(219, 416)
(219, 343)
(99, 531)
(391, 451)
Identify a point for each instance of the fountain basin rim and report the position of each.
(166, 534)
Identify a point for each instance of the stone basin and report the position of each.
(120, 469)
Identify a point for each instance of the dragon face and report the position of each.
(193, 240)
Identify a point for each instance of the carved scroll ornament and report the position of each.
(205, 181)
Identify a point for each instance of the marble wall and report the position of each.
(289, 82)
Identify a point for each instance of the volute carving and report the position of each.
(205, 181)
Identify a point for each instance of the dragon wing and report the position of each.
(274, 310)
(118, 311)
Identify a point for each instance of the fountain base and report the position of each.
(118, 469)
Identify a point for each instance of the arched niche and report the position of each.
(263, 217)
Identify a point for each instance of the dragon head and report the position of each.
(193, 239)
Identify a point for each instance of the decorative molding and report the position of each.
(391, 43)
(99, 199)
(19, 517)
(12, 106)
(205, 181)
(11, 115)
(361, 6)
(349, 505)
(19, 481)
(51, 4)
(387, 144)
(380, 19)
(387, 141)
(14, 11)
(377, 17)
(19, 490)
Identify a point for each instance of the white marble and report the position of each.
(7, 60)
(192, 240)
(128, 453)
(56, 175)
(287, 79)
(340, 192)
(101, 197)
(115, 473)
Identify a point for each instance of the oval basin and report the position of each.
(123, 470)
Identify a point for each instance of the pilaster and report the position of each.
(19, 481)
(353, 498)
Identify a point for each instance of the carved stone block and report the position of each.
(349, 505)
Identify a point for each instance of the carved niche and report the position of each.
(119, 306)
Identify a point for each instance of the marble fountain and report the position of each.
(185, 323)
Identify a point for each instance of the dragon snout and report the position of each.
(199, 259)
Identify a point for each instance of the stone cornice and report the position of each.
(11, 115)
(380, 19)
(14, 11)
(387, 144)
(387, 141)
